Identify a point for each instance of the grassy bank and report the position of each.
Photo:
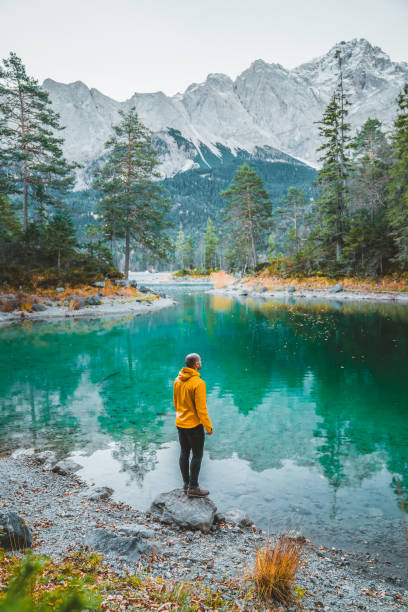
(83, 580)
(24, 301)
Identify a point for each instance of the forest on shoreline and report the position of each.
(357, 226)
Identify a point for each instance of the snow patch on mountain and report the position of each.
(266, 106)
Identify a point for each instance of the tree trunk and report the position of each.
(25, 168)
(338, 250)
(251, 227)
(59, 261)
(127, 251)
(296, 230)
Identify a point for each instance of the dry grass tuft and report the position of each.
(74, 305)
(275, 569)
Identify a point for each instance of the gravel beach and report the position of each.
(62, 516)
(243, 290)
(110, 306)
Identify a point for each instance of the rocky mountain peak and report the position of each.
(266, 106)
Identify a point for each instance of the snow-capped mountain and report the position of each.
(267, 107)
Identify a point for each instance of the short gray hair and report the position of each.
(192, 359)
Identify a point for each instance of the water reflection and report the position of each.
(308, 391)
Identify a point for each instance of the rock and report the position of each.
(263, 289)
(60, 289)
(23, 453)
(92, 300)
(14, 533)
(42, 457)
(234, 517)
(118, 292)
(99, 284)
(133, 284)
(10, 296)
(135, 530)
(244, 293)
(100, 294)
(97, 493)
(66, 467)
(46, 458)
(81, 301)
(295, 535)
(291, 289)
(122, 283)
(38, 308)
(130, 547)
(337, 288)
(143, 289)
(48, 303)
(177, 509)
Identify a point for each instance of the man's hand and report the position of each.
(210, 433)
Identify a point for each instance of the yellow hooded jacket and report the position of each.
(190, 400)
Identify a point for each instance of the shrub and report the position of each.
(21, 597)
(276, 567)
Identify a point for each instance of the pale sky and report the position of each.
(126, 46)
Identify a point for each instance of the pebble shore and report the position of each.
(58, 510)
(110, 306)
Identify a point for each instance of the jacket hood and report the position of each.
(186, 373)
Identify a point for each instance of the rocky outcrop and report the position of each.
(130, 542)
(97, 493)
(175, 508)
(235, 517)
(66, 467)
(14, 533)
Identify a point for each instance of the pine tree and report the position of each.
(180, 246)
(331, 207)
(248, 214)
(133, 205)
(188, 254)
(30, 153)
(210, 246)
(367, 243)
(397, 192)
(60, 239)
(10, 236)
(292, 210)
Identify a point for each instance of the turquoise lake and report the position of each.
(309, 403)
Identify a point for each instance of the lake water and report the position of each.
(309, 403)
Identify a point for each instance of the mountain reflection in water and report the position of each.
(308, 400)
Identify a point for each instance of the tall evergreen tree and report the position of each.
(397, 192)
(210, 246)
(10, 236)
(188, 254)
(180, 246)
(331, 207)
(290, 215)
(248, 214)
(133, 205)
(60, 239)
(367, 243)
(30, 152)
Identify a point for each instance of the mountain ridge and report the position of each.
(267, 105)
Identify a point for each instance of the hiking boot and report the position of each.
(197, 492)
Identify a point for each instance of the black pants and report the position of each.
(191, 440)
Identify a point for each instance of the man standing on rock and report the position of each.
(191, 419)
